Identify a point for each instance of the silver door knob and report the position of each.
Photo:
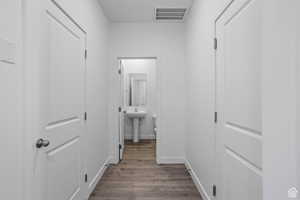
(42, 143)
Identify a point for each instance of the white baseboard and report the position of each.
(92, 185)
(142, 137)
(113, 160)
(170, 160)
(197, 182)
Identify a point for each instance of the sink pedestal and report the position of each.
(136, 130)
(136, 117)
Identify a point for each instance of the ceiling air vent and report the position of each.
(170, 13)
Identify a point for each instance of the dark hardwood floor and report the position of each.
(138, 177)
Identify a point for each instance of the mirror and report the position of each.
(137, 95)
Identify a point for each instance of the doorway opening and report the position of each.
(138, 109)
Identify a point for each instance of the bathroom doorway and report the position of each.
(138, 108)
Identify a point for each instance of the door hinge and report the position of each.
(215, 43)
(214, 190)
(85, 116)
(120, 146)
(120, 109)
(119, 71)
(85, 54)
(86, 178)
(216, 117)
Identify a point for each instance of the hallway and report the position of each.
(211, 88)
(138, 177)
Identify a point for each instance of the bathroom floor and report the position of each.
(138, 177)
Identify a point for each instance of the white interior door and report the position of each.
(121, 112)
(59, 164)
(239, 129)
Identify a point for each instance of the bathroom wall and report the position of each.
(166, 42)
(148, 67)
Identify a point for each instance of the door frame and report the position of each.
(216, 179)
(158, 104)
(30, 35)
(121, 144)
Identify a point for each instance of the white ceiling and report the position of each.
(138, 10)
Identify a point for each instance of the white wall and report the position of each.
(166, 42)
(11, 100)
(148, 67)
(89, 15)
(200, 144)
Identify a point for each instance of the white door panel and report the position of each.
(63, 165)
(59, 166)
(243, 181)
(239, 129)
(65, 68)
(246, 143)
(242, 60)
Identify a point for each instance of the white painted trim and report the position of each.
(170, 160)
(92, 185)
(197, 182)
(142, 137)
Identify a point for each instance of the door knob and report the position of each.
(42, 143)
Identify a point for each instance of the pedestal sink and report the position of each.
(136, 116)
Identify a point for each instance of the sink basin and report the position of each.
(136, 114)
